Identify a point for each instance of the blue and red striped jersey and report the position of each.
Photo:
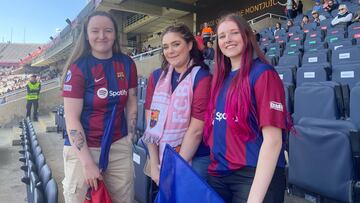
(228, 152)
(102, 83)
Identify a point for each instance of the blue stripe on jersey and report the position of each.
(220, 126)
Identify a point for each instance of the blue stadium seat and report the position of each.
(318, 100)
(347, 74)
(289, 96)
(309, 27)
(51, 192)
(291, 60)
(142, 182)
(326, 145)
(316, 58)
(333, 38)
(311, 73)
(345, 43)
(354, 105)
(286, 74)
(346, 56)
(45, 175)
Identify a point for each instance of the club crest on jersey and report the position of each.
(154, 117)
(120, 75)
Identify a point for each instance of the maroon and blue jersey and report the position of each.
(228, 151)
(102, 84)
(200, 101)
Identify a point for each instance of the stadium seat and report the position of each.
(346, 56)
(51, 192)
(318, 100)
(309, 27)
(345, 43)
(142, 182)
(291, 60)
(286, 74)
(39, 162)
(354, 105)
(289, 96)
(45, 175)
(333, 38)
(311, 73)
(316, 58)
(347, 74)
(38, 196)
(326, 144)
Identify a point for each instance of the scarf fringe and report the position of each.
(149, 139)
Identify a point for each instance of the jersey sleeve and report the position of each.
(133, 75)
(270, 100)
(149, 91)
(201, 98)
(74, 84)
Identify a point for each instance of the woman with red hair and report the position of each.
(246, 119)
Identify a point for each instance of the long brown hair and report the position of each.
(82, 46)
(187, 35)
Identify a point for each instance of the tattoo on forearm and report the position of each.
(132, 124)
(77, 138)
(135, 92)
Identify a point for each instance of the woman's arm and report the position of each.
(154, 156)
(72, 109)
(131, 113)
(268, 157)
(192, 139)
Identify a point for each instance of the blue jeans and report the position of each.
(200, 165)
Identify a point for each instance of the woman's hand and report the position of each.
(155, 174)
(92, 174)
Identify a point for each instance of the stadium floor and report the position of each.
(51, 143)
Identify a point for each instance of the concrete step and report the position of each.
(47, 122)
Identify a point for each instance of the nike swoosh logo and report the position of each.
(97, 80)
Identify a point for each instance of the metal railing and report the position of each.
(141, 56)
(133, 19)
(14, 95)
(266, 15)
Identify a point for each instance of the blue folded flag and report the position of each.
(180, 183)
(106, 141)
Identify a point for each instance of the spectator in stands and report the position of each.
(182, 76)
(305, 20)
(343, 17)
(199, 41)
(206, 33)
(300, 7)
(357, 15)
(257, 35)
(317, 18)
(330, 6)
(317, 6)
(290, 5)
(289, 24)
(277, 28)
(99, 86)
(245, 120)
(209, 53)
(33, 88)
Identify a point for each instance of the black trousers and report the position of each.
(235, 188)
(29, 103)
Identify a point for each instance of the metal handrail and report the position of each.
(148, 53)
(43, 87)
(271, 15)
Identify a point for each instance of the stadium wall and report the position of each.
(13, 111)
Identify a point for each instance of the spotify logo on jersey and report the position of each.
(102, 93)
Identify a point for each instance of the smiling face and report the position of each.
(230, 41)
(101, 36)
(176, 50)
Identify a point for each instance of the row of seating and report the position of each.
(324, 152)
(40, 185)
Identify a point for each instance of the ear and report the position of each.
(190, 45)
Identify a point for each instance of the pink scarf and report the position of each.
(170, 112)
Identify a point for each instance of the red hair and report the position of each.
(238, 107)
